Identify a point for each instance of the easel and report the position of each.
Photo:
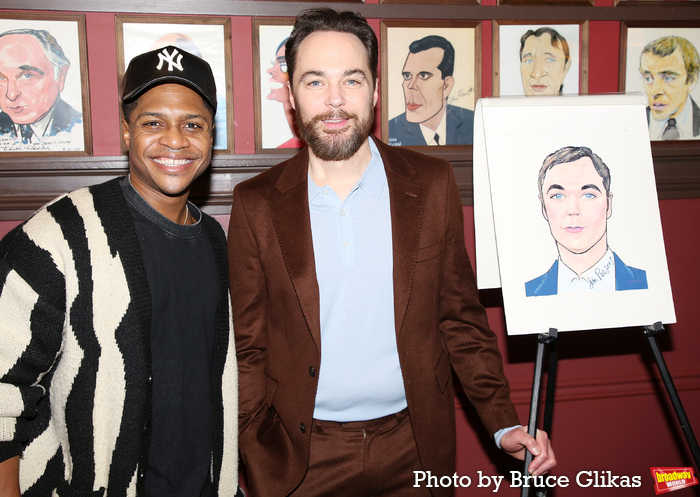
(550, 338)
(543, 339)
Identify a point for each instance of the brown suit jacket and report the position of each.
(440, 323)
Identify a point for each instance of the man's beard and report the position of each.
(332, 145)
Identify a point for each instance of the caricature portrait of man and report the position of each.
(576, 200)
(279, 91)
(669, 68)
(33, 71)
(427, 82)
(544, 61)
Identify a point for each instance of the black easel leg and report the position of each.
(651, 332)
(551, 382)
(542, 340)
(541, 491)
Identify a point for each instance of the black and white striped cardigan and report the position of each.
(74, 351)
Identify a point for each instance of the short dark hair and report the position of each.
(663, 47)
(571, 154)
(326, 19)
(447, 65)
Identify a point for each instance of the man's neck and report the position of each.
(340, 176)
(173, 208)
(435, 121)
(680, 109)
(586, 260)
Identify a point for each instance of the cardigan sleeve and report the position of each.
(32, 315)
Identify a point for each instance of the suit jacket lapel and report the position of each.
(406, 216)
(290, 213)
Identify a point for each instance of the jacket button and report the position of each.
(312, 371)
(302, 427)
(146, 429)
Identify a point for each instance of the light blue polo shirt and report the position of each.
(360, 375)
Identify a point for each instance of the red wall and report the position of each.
(611, 412)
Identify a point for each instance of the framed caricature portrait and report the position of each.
(275, 119)
(44, 96)
(661, 62)
(430, 82)
(562, 224)
(206, 37)
(540, 58)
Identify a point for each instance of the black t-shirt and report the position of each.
(184, 285)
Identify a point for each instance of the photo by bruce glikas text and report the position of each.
(583, 479)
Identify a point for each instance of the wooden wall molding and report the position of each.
(637, 12)
(28, 183)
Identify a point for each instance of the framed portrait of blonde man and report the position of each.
(540, 58)
(44, 93)
(662, 62)
(430, 82)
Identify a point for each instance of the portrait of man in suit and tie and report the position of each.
(669, 68)
(33, 70)
(576, 201)
(428, 81)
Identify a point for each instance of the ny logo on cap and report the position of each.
(164, 56)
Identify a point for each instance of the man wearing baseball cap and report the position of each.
(118, 372)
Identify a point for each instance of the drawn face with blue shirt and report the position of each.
(577, 206)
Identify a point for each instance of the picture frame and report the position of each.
(275, 119)
(58, 123)
(635, 36)
(651, 3)
(513, 76)
(207, 37)
(547, 2)
(434, 2)
(408, 116)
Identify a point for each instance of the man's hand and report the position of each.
(9, 477)
(517, 440)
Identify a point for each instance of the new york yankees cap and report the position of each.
(168, 65)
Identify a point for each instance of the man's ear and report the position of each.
(291, 95)
(62, 72)
(609, 211)
(375, 95)
(544, 209)
(126, 133)
(447, 86)
(567, 66)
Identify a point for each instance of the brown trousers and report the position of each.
(374, 458)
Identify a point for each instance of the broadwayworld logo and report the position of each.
(669, 479)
